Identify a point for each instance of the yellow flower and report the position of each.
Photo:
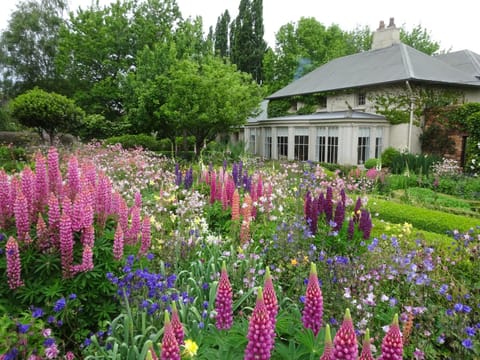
(294, 262)
(190, 348)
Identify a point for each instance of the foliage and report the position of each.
(97, 127)
(372, 163)
(420, 39)
(420, 218)
(410, 163)
(12, 158)
(387, 156)
(247, 45)
(145, 141)
(207, 97)
(49, 112)
(29, 47)
(435, 140)
(221, 35)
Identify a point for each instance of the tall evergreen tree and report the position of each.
(247, 46)
(221, 34)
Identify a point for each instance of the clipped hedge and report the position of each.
(421, 218)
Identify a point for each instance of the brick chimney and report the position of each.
(386, 36)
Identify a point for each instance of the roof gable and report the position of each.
(396, 63)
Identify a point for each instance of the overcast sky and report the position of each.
(454, 24)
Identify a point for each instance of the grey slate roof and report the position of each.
(464, 60)
(396, 63)
(319, 116)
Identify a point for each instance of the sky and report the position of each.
(454, 25)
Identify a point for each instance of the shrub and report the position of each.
(388, 155)
(130, 141)
(421, 218)
(371, 163)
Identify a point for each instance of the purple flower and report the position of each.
(60, 305)
(458, 307)
(23, 328)
(37, 313)
(467, 343)
(48, 342)
(470, 331)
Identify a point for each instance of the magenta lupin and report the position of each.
(177, 325)
(260, 339)
(328, 347)
(345, 341)
(223, 301)
(54, 175)
(14, 266)
(146, 236)
(22, 219)
(270, 298)
(66, 244)
(41, 182)
(170, 347)
(118, 242)
(392, 344)
(366, 348)
(313, 309)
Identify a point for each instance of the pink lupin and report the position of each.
(345, 341)
(146, 238)
(28, 190)
(260, 339)
(54, 175)
(313, 310)
(170, 347)
(366, 348)
(392, 344)
(213, 187)
(22, 218)
(131, 236)
(41, 182)
(14, 266)
(223, 301)
(6, 206)
(73, 177)
(118, 242)
(328, 347)
(66, 244)
(177, 325)
(270, 298)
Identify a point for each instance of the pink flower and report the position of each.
(260, 339)
(313, 310)
(146, 236)
(6, 205)
(66, 244)
(118, 243)
(392, 344)
(41, 182)
(28, 189)
(14, 266)
(270, 298)
(345, 341)
(223, 301)
(170, 348)
(328, 348)
(366, 348)
(131, 236)
(51, 352)
(22, 219)
(177, 325)
(73, 177)
(54, 175)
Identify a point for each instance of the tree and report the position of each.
(207, 97)
(221, 35)
(29, 46)
(99, 48)
(420, 39)
(247, 46)
(49, 112)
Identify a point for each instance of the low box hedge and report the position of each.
(421, 218)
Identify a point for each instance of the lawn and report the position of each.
(124, 254)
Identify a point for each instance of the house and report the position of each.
(363, 103)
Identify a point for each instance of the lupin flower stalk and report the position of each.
(270, 298)
(392, 344)
(170, 348)
(313, 310)
(14, 266)
(235, 205)
(118, 242)
(260, 339)
(146, 236)
(339, 215)
(366, 348)
(345, 341)
(177, 325)
(213, 187)
(22, 220)
(41, 182)
(328, 347)
(73, 177)
(223, 301)
(66, 244)
(54, 175)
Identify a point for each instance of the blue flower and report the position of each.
(458, 307)
(470, 331)
(443, 289)
(23, 328)
(11, 355)
(467, 343)
(87, 342)
(49, 342)
(302, 299)
(466, 309)
(72, 296)
(60, 305)
(37, 313)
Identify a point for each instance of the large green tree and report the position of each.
(221, 35)
(247, 46)
(29, 45)
(200, 97)
(420, 39)
(46, 111)
(99, 47)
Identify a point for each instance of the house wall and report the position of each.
(472, 96)
(399, 138)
